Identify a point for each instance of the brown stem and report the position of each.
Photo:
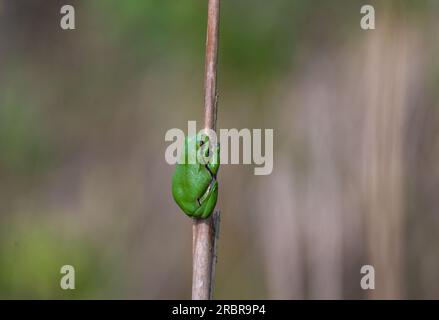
(205, 231)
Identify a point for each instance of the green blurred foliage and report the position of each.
(24, 147)
(32, 258)
(150, 30)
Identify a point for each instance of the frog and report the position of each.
(194, 183)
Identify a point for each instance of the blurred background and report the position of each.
(83, 178)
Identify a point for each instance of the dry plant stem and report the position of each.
(211, 62)
(205, 231)
(205, 242)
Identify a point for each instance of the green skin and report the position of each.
(194, 186)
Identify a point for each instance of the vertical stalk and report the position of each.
(205, 231)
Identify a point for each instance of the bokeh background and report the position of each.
(83, 178)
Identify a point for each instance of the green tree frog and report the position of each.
(194, 184)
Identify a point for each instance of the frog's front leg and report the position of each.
(208, 203)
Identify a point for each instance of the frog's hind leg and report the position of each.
(208, 204)
(188, 208)
(212, 175)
